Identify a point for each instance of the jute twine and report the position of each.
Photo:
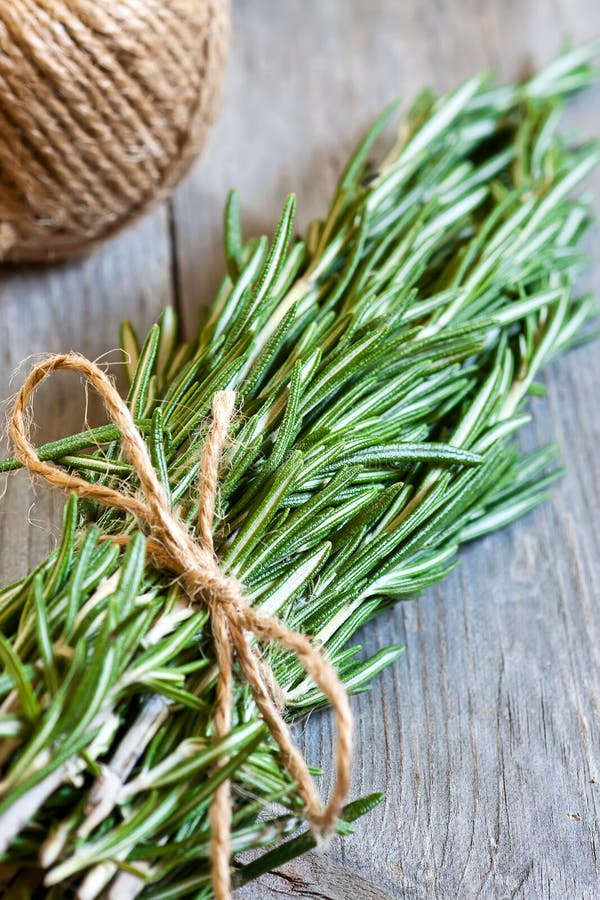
(173, 547)
(103, 107)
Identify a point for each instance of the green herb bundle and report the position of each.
(382, 365)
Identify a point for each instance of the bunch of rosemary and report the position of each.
(382, 365)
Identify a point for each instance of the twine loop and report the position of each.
(172, 546)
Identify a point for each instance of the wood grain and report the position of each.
(486, 734)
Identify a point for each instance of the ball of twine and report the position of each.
(103, 107)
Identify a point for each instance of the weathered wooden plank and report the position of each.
(486, 735)
(318, 876)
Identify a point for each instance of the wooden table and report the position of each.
(486, 735)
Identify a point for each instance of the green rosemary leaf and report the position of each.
(43, 636)
(355, 166)
(167, 345)
(266, 504)
(158, 684)
(240, 295)
(156, 444)
(89, 464)
(302, 522)
(75, 586)
(90, 693)
(431, 452)
(158, 655)
(56, 450)
(138, 389)
(261, 365)
(276, 258)
(357, 677)
(131, 574)
(194, 756)
(302, 844)
(27, 699)
(64, 557)
(130, 349)
(233, 235)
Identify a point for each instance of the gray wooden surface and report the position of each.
(486, 735)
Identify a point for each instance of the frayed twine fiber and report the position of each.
(103, 107)
(171, 546)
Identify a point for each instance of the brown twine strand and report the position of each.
(173, 547)
(103, 107)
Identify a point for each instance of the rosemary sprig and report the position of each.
(382, 364)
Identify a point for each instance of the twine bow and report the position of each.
(173, 547)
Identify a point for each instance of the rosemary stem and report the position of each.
(107, 787)
(25, 808)
(128, 886)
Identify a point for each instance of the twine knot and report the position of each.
(172, 546)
